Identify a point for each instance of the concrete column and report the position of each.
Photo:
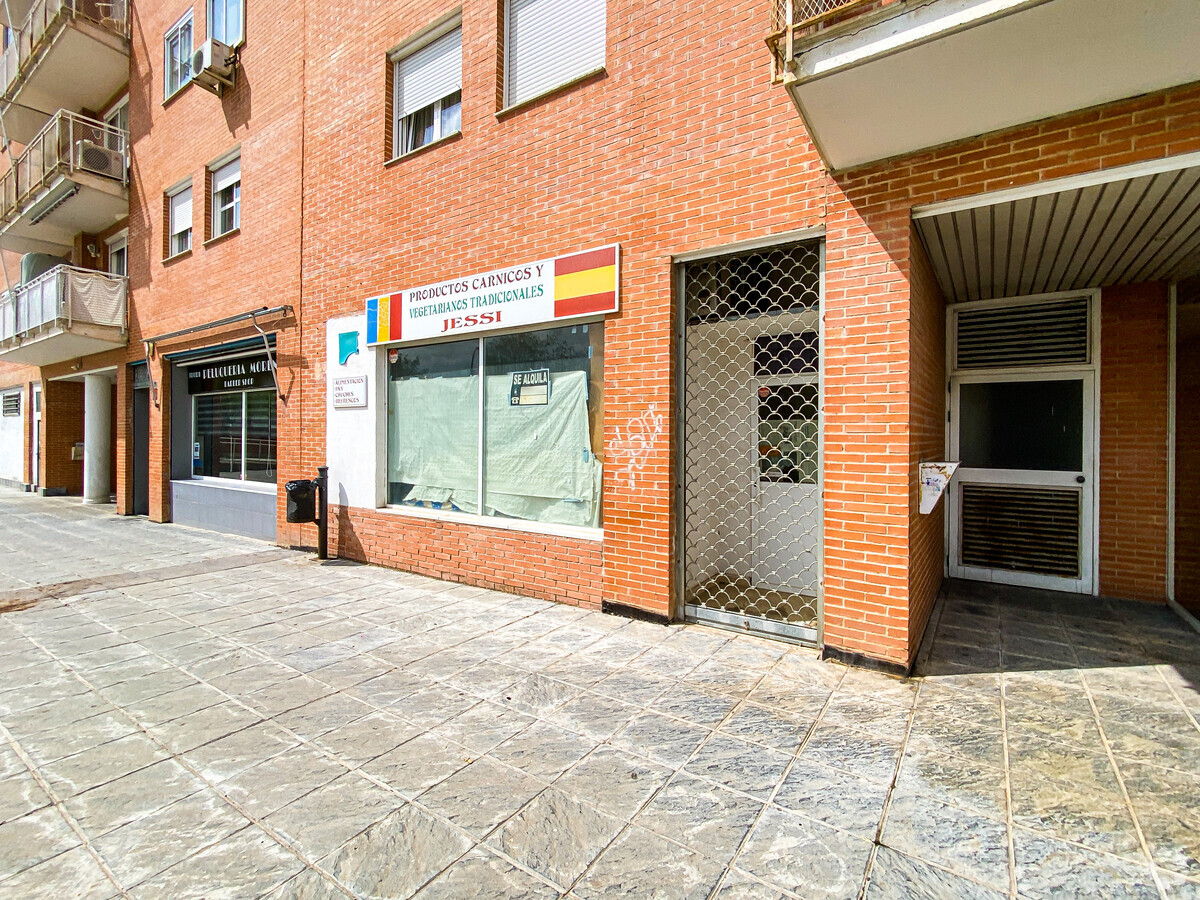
(97, 438)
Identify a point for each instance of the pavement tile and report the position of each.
(276, 782)
(481, 795)
(110, 805)
(363, 740)
(895, 876)
(543, 750)
(961, 841)
(836, 798)
(148, 845)
(867, 756)
(593, 715)
(316, 718)
(739, 765)
(557, 836)
(696, 705)
(1096, 819)
(614, 781)
(415, 766)
(19, 795)
(804, 857)
(227, 756)
(417, 847)
(480, 875)
(248, 863)
(74, 874)
(641, 864)
(665, 740)
(704, 817)
(202, 727)
(760, 725)
(33, 838)
(320, 822)
(308, 885)
(954, 780)
(1052, 869)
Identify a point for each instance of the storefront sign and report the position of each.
(550, 290)
(350, 392)
(232, 375)
(531, 388)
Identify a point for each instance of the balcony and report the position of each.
(67, 54)
(63, 314)
(877, 79)
(70, 178)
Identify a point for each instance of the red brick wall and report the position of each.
(927, 416)
(551, 568)
(258, 266)
(1133, 442)
(1187, 459)
(62, 428)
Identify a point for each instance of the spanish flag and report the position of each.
(585, 283)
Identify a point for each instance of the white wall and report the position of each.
(355, 439)
(12, 445)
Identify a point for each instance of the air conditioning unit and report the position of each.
(213, 66)
(99, 160)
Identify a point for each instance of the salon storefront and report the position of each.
(224, 445)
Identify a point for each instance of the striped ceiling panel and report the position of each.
(1084, 234)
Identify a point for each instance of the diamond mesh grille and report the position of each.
(751, 422)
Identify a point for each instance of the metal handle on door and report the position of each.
(1079, 479)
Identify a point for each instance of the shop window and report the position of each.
(517, 417)
(12, 404)
(226, 198)
(179, 221)
(177, 56)
(234, 436)
(428, 92)
(550, 43)
(225, 21)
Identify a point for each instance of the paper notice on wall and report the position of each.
(935, 476)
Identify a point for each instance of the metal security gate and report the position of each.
(750, 506)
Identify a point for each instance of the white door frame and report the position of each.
(1088, 582)
(35, 444)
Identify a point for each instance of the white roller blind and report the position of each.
(181, 211)
(227, 176)
(429, 74)
(551, 42)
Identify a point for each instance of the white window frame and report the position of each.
(112, 119)
(115, 243)
(172, 231)
(234, 203)
(405, 51)
(589, 63)
(241, 35)
(174, 32)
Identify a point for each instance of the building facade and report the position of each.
(659, 318)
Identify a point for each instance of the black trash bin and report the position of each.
(301, 501)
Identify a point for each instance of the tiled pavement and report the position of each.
(287, 729)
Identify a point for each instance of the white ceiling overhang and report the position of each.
(1120, 226)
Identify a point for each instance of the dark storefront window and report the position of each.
(233, 420)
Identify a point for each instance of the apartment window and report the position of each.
(225, 21)
(118, 256)
(550, 43)
(177, 62)
(517, 417)
(12, 404)
(179, 220)
(428, 86)
(227, 198)
(117, 121)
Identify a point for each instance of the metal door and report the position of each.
(1023, 426)
(750, 510)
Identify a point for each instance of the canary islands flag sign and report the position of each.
(550, 290)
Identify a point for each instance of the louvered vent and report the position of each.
(1021, 529)
(1024, 334)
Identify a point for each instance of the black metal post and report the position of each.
(322, 512)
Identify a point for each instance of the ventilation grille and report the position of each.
(1034, 530)
(1023, 335)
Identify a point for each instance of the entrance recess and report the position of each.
(751, 510)
(1023, 426)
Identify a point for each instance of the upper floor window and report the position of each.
(227, 197)
(177, 56)
(428, 86)
(117, 120)
(225, 21)
(118, 255)
(179, 221)
(550, 43)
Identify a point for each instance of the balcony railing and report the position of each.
(794, 19)
(69, 143)
(46, 18)
(59, 299)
